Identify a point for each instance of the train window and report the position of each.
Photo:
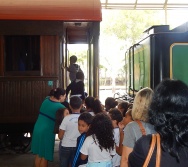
(22, 55)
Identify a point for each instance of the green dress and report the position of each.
(43, 137)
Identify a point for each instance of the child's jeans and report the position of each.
(99, 164)
(66, 156)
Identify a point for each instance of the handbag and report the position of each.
(142, 129)
(155, 139)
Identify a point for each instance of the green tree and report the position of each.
(128, 24)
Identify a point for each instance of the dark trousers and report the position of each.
(67, 156)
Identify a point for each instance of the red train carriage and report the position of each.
(33, 44)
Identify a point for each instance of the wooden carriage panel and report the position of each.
(1, 56)
(50, 55)
(31, 27)
(21, 97)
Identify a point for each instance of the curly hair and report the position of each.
(101, 130)
(168, 113)
(141, 104)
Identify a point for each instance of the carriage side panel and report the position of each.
(21, 95)
(1, 55)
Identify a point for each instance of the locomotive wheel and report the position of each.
(19, 143)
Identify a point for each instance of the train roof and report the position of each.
(65, 10)
(156, 29)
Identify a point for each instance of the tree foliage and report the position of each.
(128, 24)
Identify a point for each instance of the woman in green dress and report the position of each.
(43, 138)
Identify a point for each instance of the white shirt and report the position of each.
(70, 126)
(116, 159)
(94, 153)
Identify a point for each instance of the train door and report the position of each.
(83, 33)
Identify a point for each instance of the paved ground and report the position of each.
(11, 159)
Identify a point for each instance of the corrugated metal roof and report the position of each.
(145, 4)
(71, 10)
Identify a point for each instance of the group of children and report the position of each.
(93, 134)
(90, 135)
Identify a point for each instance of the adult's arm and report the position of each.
(128, 143)
(121, 137)
(124, 157)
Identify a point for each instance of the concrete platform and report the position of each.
(11, 159)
